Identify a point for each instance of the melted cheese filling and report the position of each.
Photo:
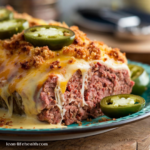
(28, 83)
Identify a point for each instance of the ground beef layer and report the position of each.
(101, 81)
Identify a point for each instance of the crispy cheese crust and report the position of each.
(82, 48)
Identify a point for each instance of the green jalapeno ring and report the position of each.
(10, 27)
(121, 111)
(140, 77)
(5, 14)
(37, 36)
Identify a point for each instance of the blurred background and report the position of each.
(118, 23)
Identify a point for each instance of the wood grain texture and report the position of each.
(134, 136)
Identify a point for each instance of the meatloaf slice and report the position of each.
(101, 81)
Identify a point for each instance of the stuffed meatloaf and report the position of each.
(63, 86)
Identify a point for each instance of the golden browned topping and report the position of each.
(26, 64)
(94, 50)
(55, 64)
(45, 52)
(88, 52)
(17, 41)
(115, 53)
(33, 61)
(81, 48)
(39, 60)
(35, 56)
(80, 37)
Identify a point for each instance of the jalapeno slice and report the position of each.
(10, 27)
(5, 14)
(54, 37)
(121, 105)
(140, 77)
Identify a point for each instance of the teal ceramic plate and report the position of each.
(94, 124)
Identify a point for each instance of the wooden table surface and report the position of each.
(133, 136)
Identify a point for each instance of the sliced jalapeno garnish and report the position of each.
(54, 37)
(121, 105)
(140, 77)
(5, 14)
(10, 27)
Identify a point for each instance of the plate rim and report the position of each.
(66, 130)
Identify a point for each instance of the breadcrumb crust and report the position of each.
(81, 48)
